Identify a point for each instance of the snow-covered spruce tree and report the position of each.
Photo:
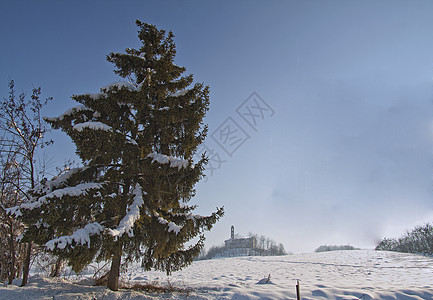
(136, 140)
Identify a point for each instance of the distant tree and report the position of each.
(268, 248)
(387, 244)
(325, 248)
(213, 252)
(419, 240)
(22, 136)
(261, 242)
(202, 254)
(280, 250)
(136, 140)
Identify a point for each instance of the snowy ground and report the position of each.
(357, 274)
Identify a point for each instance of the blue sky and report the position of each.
(343, 153)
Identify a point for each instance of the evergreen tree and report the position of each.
(136, 140)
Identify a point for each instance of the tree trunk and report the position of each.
(26, 267)
(3, 267)
(21, 255)
(113, 278)
(55, 270)
(12, 254)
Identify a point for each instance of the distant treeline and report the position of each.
(268, 245)
(325, 248)
(419, 240)
(264, 247)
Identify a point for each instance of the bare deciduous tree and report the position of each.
(22, 133)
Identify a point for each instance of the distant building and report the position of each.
(240, 246)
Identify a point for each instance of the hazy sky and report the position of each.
(321, 112)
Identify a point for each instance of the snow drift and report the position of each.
(356, 274)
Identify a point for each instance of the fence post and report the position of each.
(298, 292)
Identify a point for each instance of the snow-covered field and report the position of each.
(356, 274)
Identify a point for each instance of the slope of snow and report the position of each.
(356, 274)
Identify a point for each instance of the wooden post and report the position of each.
(298, 292)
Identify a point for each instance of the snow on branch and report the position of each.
(131, 141)
(14, 211)
(171, 226)
(66, 113)
(189, 216)
(78, 190)
(92, 125)
(180, 93)
(119, 85)
(105, 89)
(127, 223)
(165, 159)
(81, 236)
(48, 186)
